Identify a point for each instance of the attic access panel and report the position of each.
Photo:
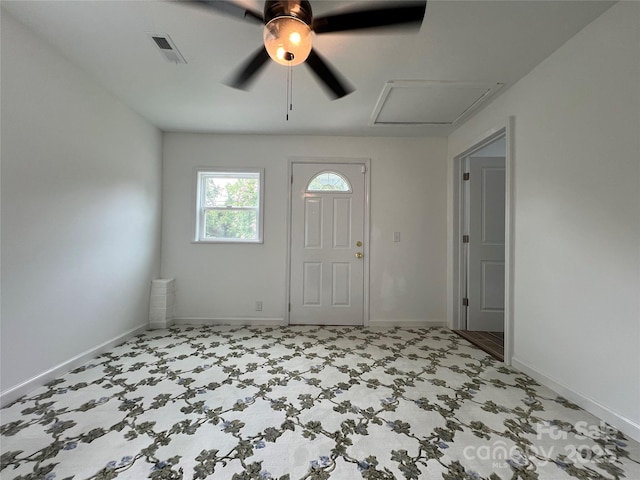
(429, 102)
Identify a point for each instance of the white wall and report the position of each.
(80, 211)
(408, 194)
(577, 214)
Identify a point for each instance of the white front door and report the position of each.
(327, 244)
(486, 221)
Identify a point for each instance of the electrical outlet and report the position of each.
(396, 236)
(258, 305)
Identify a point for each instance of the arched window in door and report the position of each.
(328, 182)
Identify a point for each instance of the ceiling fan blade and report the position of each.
(329, 78)
(230, 8)
(391, 14)
(247, 73)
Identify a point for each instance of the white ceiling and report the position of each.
(460, 43)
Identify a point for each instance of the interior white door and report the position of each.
(327, 235)
(486, 222)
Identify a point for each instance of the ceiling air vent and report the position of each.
(167, 48)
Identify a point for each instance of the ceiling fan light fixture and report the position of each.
(287, 40)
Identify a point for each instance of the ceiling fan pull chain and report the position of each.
(290, 87)
(289, 106)
(286, 108)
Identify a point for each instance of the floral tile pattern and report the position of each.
(245, 403)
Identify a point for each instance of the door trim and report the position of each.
(456, 319)
(367, 215)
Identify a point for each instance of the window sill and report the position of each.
(227, 242)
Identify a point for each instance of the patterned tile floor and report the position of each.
(304, 403)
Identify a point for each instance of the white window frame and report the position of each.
(200, 208)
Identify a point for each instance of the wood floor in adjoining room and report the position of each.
(490, 342)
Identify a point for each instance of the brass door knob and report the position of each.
(358, 254)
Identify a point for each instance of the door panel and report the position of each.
(312, 283)
(341, 222)
(492, 287)
(326, 277)
(486, 221)
(492, 200)
(341, 284)
(313, 222)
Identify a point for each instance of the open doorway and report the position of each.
(482, 244)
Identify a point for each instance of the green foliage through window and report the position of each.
(232, 224)
(229, 206)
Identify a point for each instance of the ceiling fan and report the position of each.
(288, 28)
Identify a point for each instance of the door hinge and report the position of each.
(465, 302)
(465, 238)
(291, 179)
(289, 307)
(465, 176)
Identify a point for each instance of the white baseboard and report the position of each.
(407, 323)
(256, 321)
(625, 425)
(235, 321)
(39, 380)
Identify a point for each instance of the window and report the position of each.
(328, 181)
(229, 205)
